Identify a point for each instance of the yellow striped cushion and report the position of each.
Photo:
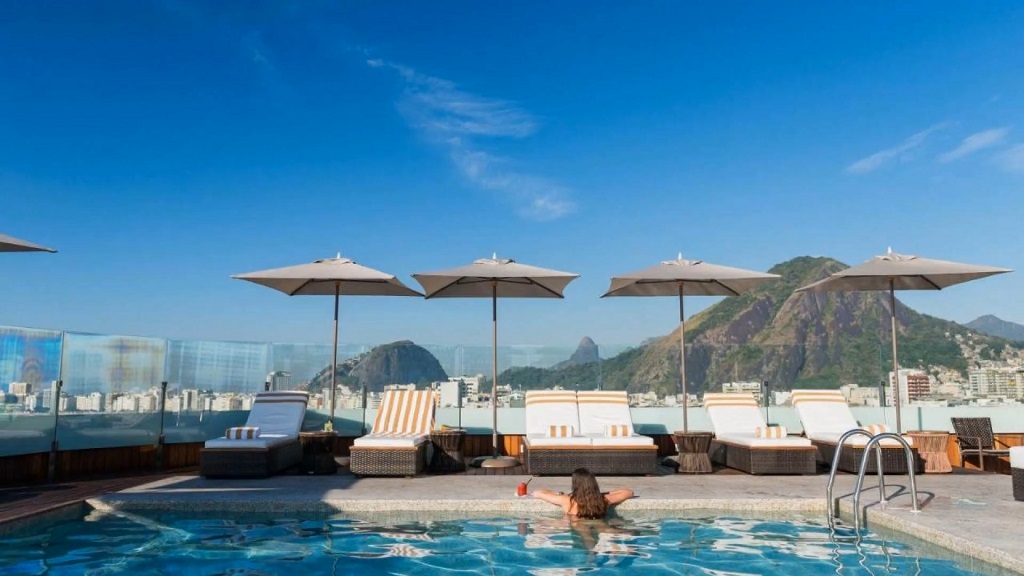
(770, 432)
(405, 412)
(602, 397)
(242, 432)
(875, 428)
(559, 431)
(800, 396)
(616, 430)
(715, 399)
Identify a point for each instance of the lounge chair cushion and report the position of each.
(561, 431)
(616, 430)
(733, 413)
(874, 429)
(823, 412)
(411, 440)
(1017, 457)
(264, 441)
(535, 440)
(751, 440)
(631, 440)
(856, 440)
(547, 407)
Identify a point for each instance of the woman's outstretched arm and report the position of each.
(556, 498)
(616, 496)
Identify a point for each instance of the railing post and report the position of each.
(160, 437)
(51, 469)
(363, 427)
(829, 505)
(907, 451)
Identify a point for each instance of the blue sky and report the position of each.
(164, 146)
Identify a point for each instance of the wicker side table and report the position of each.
(693, 451)
(447, 450)
(931, 447)
(318, 452)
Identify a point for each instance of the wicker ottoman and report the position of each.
(1017, 471)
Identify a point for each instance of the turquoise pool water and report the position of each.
(180, 545)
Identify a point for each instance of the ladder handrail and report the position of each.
(907, 451)
(835, 467)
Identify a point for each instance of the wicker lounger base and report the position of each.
(382, 461)
(788, 460)
(1017, 476)
(248, 462)
(562, 460)
(894, 461)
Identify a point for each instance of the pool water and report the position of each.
(180, 545)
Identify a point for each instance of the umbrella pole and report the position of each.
(895, 362)
(494, 365)
(682, 358)
(334, 358)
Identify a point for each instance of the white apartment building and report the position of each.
(740, 387)
(914, 385)
(454, 390)
(857, 395)
(1001, 381)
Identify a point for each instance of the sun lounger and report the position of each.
(278, 418)
(825, 417)
(397, 444)
(736, 419)
(557, 441)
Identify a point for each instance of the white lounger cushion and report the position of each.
(1017, 457)
(545, 408)
(600, 409)
(826, 416)
(733, 413)
(264, 441)
(755, 442)
(391, 440)
(857, 440)
(278, 415)
(535, 440)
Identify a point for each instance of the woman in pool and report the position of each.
(586, 499)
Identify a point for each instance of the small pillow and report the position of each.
(616, 430)
(770, 432)
(875, 429)
(242, 433)
(560, 431)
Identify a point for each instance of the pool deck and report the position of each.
(973, 515)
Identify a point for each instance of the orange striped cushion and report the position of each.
(559, 431)
(405, 412)
(770, 432)
(616, 430)
(242, 432)
(874, 429)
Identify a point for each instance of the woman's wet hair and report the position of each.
(586, 494)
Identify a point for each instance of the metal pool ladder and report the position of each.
(830, 507)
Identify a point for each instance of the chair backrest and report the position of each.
(405, 412)
(733, 413)
(971, 431)
(546, 408)
(823, 412)
(599, 408)
(278, 412)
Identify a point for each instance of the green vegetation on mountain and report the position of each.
(774, 334)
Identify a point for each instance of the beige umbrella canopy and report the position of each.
(892, 272)
(330, 277)
(686, 278)
(11, 244)
(495, 278)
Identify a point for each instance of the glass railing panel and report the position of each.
(29, 366)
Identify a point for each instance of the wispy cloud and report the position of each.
(901, 152)
(1012, 160)
(975, 142)
(458, 121)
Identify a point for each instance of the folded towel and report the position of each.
(874, 429)
(770, 432)
(560, 431)
(616, 430)
(242, 433)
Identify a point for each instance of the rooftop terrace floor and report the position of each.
(973, 514)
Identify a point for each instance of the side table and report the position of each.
(447, 450)
(693, 451)
(931, 447)
(318, 452)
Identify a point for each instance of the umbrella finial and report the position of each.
(889, 251)
(494, 255)
(339, 255)
(680, 257)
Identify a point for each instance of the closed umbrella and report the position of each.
(680, 278)
(495, 278)
(330, 277)
(892, 271)
(11, 244)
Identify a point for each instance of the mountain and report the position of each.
(791, 340)
(585, 353)
(994, 326)
(400, 362)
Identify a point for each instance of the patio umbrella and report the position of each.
(493, 278)
(11, 244)
(686, 278)
(330, 277)
(892, 272)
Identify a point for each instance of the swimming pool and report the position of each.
(187, 545)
